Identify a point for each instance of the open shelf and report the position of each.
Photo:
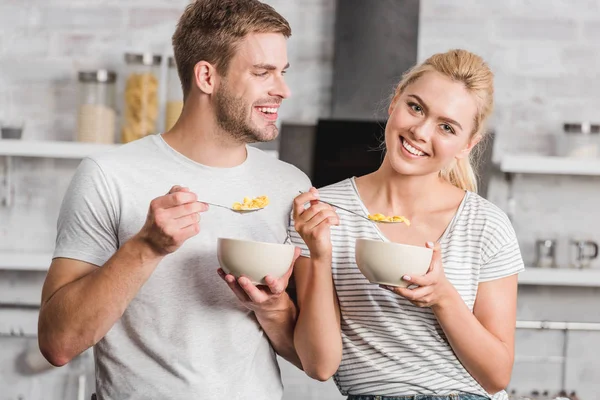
(560, 277)
(50, 149)
(23, 261)
(58, 149)
(535, 164)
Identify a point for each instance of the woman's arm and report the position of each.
(317, 334)
(483, 340)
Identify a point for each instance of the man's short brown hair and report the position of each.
(209, 30)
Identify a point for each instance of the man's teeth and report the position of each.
(267, 110)
(411, 149)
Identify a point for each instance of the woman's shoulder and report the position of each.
(482, 213)
(335, 190)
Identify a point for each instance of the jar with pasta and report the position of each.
(174, 96)
(141, 96)
(96, 116)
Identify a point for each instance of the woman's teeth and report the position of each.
(411, 149)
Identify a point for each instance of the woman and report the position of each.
(451, 334)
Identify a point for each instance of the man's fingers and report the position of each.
(178, 188)
(173, 200)
(254, 294)
(188, 231)
(233, 285)
(186, 209)
(187, 220)
(276, 286)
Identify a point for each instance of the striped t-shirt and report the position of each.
(390, 346)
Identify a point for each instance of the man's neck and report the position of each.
(197, 136)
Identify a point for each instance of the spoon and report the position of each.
(232, 209)
(360, 215)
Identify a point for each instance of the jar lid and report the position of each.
(143, 58)
(583, 127)
(99, 76)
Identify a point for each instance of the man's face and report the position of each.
(248, 97)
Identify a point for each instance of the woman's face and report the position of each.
(430, 125)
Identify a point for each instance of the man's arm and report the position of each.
(81, 302)
(279, 327)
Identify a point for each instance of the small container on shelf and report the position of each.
(96, 117)
(174, 96)
(11, 128)
(579, 140)
(141, 96)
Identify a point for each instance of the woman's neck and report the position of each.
(405, 195)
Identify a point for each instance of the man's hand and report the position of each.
(261, 298)
(172, 219)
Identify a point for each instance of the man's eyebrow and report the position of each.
(269, 67)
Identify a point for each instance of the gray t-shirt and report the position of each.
(185, 335)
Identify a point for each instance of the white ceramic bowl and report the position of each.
(254, 260)
(386, 262)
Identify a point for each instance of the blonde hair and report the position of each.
(469, 69)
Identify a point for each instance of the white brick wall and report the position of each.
(546, 57)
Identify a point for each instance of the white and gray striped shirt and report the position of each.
(390, 346)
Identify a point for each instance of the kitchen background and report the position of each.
(546, 57)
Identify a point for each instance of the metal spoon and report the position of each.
(232, 209)
(360, 215)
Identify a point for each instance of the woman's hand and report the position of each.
(314, 223)
(433, 287)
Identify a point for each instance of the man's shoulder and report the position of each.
(125, 153)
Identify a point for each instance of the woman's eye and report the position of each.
(416, 108)
(447, 128)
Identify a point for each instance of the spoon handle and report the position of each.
(342, 208)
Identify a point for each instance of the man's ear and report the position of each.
(472, 143)
(205, 75)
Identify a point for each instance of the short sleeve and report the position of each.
(87, 222)
(505, 259)
(296, 240)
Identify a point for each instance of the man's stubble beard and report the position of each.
(232, 117)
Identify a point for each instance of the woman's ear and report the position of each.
(205, 77)
(393, 104)
(472, 143)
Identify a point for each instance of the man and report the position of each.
(139, 282)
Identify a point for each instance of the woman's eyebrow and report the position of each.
(449, 120)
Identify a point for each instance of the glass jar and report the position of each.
(174, 96)
(96, 117)
(141, 96)
(580, 140)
